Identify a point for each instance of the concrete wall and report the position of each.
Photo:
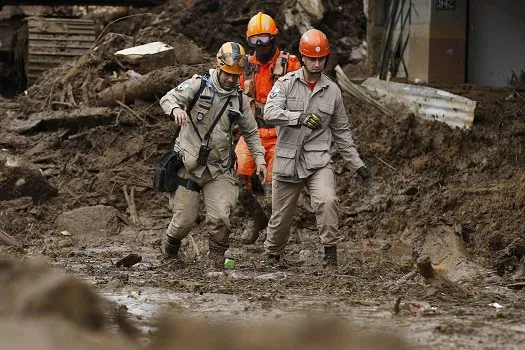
(448, 44)
(496, 42)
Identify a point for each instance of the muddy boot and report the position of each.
(330, 256)
(253, 229)
(258, 218)
(273, 262)
(215, 259)
(171, 247)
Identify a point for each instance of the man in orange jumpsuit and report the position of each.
(267, 64)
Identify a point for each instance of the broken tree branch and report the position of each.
(8, 239)
(130, 199)
(135, 114)
(385, 163)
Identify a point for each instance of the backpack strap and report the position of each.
(191, 105)
(240, 100)
(198, 93)
(281, 65)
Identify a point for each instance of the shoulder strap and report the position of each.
(190, 107)
(240, 100)
(206, 137)
(217, 118)
(198, 93)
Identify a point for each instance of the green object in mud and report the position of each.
(229, 263)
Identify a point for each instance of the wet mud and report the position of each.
(433, 250)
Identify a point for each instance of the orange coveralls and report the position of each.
(257, 81)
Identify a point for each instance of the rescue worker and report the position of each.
(264, 67)
(307, 108)
(207, 151)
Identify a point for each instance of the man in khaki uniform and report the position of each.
(308, 110)
(208, 162)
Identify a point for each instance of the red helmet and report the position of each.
(314, 43)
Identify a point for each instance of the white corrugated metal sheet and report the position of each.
(426, 102)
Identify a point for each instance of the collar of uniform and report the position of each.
(322, 83)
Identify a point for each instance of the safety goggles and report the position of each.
(260, 40)
(230, 59)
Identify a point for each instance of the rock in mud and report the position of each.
(307, 257)
(129, 260)
(20, 178)
(148, 57)
(98, 220)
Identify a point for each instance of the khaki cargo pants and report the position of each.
(220, 197)
(321, 186)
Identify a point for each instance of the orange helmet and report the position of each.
(231, 58)
(261, 24)
(314, 43)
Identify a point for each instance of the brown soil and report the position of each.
(455, 196)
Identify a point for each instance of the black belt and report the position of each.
(188, 184)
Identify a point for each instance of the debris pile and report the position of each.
(86, 136)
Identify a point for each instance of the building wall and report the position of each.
(448, 44)
(496, 43)
(418, 51)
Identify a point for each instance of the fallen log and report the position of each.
(69, 119)
(150, 86)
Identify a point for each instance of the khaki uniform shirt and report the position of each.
(203, 113)
(299, 150)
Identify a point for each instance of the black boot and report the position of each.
(171, 247)
(330, 256)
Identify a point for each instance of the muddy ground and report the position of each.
(456, 197)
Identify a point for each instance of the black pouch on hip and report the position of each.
(166, 172)
(204, 152)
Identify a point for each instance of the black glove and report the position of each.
(310, 120)
(365, 174)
